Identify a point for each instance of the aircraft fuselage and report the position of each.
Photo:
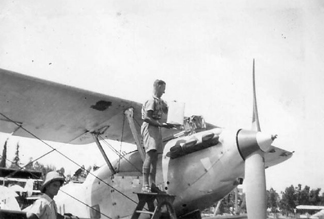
(197, 179)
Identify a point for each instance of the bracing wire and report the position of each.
(21, 168)
(121, 156)
(121, 140)
(85, 204)
(54, 149)
(137, 122)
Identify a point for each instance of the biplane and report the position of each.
(199, 165)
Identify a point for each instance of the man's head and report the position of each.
(159, 88)
(52, 183)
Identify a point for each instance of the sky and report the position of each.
(203, 50)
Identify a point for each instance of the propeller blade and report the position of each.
(254, 171)
(255, 186)
(255, 116)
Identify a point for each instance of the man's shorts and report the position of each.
(152, 137)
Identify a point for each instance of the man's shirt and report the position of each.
(43, 208)
(156, 105)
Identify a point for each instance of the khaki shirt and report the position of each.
(152, 137)
(156, 105)
(43, 208)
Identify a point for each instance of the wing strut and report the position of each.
(129, 114)
(95, 137)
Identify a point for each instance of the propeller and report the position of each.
(252, 145)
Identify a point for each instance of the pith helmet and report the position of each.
(50, 177)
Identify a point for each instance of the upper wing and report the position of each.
(56, 112)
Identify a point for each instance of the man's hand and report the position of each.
(70, 216)
(167, 125)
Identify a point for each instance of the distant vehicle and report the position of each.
(312, 211)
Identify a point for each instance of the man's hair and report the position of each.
(158, 82)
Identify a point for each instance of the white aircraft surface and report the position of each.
(8, 199)
(199, 165)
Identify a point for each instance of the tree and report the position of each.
(287, 203)
(37, 166)
(321, 202)
(29, 166)
(42, 168)
(294, 196)
(227, 203)
(15, 163)
(314, 198)
(4, 155)
(302, 195)
(273, 200)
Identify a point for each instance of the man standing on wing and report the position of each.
(152, 111)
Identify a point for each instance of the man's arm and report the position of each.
(149, 119)
(66, 216)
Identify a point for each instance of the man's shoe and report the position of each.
(156, 189)
(146, 189)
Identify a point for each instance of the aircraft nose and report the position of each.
(249, 141)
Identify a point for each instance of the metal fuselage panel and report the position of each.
(114, 194)
(201, 178)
